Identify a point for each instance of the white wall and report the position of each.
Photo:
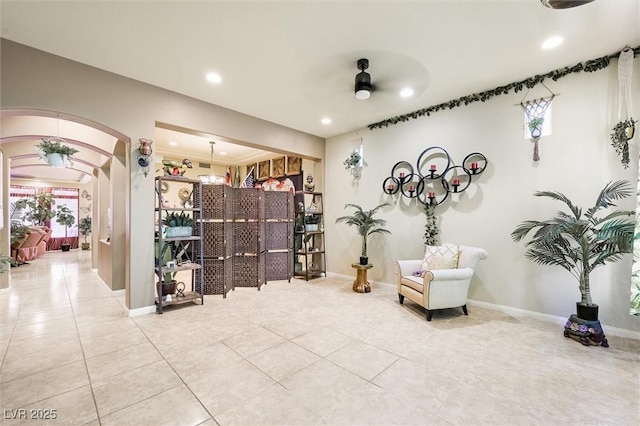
(576, 160)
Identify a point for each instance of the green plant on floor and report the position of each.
(65, 217)
(84, 228)
(365, 223)
(40, 208)
(581, 240)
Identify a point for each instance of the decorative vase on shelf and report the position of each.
(179, 231)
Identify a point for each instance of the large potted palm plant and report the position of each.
(364, 221)
(581, 240)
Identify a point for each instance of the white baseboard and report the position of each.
(116, 293)
(141, 311)
(5, 290)
(615, 331)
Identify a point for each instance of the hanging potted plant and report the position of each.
(55, 152)
(535, 127)
(580, 241)
(84, 227)
(65, 217)
(352, 163)
(365, 223)
(622, 134)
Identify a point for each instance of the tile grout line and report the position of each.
(84, 356)
(177, 374)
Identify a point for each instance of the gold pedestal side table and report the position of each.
(361, 285)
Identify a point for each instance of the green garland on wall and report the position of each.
(591, 65)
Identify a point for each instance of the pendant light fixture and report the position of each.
(363, 81)
(211, 178)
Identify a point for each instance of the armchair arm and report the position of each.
(448, 274)
(407, 267)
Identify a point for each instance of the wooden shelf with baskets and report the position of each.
(185, 251)
(309, 250)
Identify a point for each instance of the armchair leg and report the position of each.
(464, 309)
(429, 315)
(400, 298)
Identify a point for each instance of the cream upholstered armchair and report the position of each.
(440, 280)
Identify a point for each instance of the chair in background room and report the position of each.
(41, 248)
(441, 280)
(28, 250)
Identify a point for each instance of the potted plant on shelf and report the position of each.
(65, 217)
(311, 222)
(178, 225)
(55, 152)
(580, 241)
(366, 224)
(162, 257)
(84, 227)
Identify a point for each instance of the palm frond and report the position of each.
(379, 231)
(560, 197)
(613, 191)
(524, 228)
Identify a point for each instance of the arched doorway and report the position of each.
(101, 159)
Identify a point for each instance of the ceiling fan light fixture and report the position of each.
(407, 92)
(363, 85)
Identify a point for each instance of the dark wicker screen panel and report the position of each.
(239, 226)
(249, 271)
(218, 275)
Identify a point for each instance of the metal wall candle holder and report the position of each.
(413, 183)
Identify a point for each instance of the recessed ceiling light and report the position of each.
(326, 121)
(407, 92)
(214, 77)
(552, 42)
(173, 143)
(222, 153)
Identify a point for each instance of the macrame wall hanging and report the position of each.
(535, 110)
(625, 129)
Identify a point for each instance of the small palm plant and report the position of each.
(580, 242)
(366, 224)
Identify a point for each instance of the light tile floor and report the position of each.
(307, 353)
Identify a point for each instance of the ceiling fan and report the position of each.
(564, 4)
(363, 86)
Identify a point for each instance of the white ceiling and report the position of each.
(294, 63)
